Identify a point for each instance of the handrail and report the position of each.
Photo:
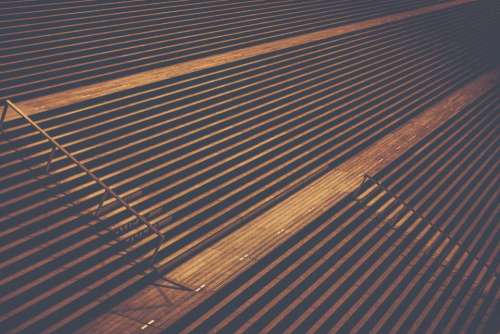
(107, 190)
(427, 221)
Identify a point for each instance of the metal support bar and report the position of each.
(4, 113)
(401, 201)
(101, 203)
(51, 156)
(108, 190)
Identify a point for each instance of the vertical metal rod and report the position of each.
(51, 156)
(101, 203)
(155, 253)
(4, 113)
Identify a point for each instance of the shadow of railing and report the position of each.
(107, 191)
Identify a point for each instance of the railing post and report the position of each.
(153, 257)
(101, 203)
(51, 157)
(4, 113)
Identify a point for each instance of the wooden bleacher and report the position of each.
(196, 157)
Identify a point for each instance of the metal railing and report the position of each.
(406, 205)
(108, 192)
(398, 199)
